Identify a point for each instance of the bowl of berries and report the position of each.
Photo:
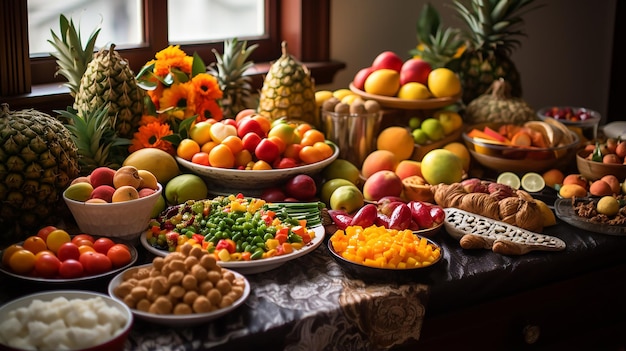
(581, 120)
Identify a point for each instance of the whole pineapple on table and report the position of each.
(38, 160)
(491, 38)
(288, 91)
(230, 71)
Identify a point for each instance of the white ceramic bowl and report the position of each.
(228, 180)
(116, 342)
(125, 220)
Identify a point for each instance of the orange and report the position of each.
(221, 156)
(553, 177)
(312, 136)
(22, 261)
(398, 140)
(6, 254)
(462, 152)
(35, 244)
(187, 148)
(234, 143)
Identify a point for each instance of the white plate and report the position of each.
(256, 266)
(235, 180)
(180, 320)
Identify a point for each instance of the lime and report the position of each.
(533, 182)
(509, 178)
(414, 122)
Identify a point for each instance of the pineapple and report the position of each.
(436, 45)
(109, 81)
(38, 160)
(288, 91)
(229, 70)
(493, 28)
(94, 135)
(71, 57)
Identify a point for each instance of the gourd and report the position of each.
(497, 105)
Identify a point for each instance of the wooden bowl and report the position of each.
(593, 170)
(406, 104)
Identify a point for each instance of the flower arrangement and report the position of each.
(180, 92)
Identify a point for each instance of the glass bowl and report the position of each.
(581, 120)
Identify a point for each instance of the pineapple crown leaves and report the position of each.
(494, 24)
(70, 55)
(436, 44)
(233, 63)
(95, 138)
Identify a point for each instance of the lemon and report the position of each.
(509, 178)
(533, 182)
(341, 93)
(608, 205)
(443, 82)
(414, 91)
(547, 216)
(321, 96)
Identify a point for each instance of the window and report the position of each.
(304, 24)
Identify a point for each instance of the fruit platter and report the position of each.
(245, 234)
(56, 258)
(604, 215)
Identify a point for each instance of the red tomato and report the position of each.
(119, 254)
(83, 242)
(102, 245)
(43, 232)
(71, 269)
(68, 251)
(95, 263)
(81, 237)
(47, 265)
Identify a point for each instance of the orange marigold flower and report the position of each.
(150, 135)
(178, 97)
(172, 57)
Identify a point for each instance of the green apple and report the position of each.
(348, 198)
(159, 206)
(329, 187)
(341, 168)
(185, 187)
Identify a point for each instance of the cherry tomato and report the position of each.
(70, 269)
(86, 248)
(95, 263)
(47, 265)
(22, 261)
(56, 238)
(80, 238)
(43, 232)
(119, 254)
(68, 251)
(102, 245)
(6, 254)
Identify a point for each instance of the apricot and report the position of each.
(407, 168)
(600, 188)
(125, 193)
(379, 160)
(127, 175)
(613, 182)
(553, 177)
(620, 149)
(576, 178)
(571, 190)
(611, 159)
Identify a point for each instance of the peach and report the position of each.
(407, 168)
(620, 149)
(95, 201)
(576, 178)
(382, 183)
(143, 192)
(102, 176)
(127, 175)
(104, 192)
(81, 179)
(379, 160)
(600, 188)
(148, 180)
(611, 159)
(613, 182)
(125, 193)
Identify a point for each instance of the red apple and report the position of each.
(301, 187)
(267, 151)
(361, 76)
(415, 70)
(249, 125)
(285, 162)
(273, 194)
(388, 59)
(250, 141)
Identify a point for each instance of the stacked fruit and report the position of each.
(441, 124)
(52, 254)
(612, 151)
(413, 79)
(107, 185)
(253, 142)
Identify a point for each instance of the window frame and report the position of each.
(303, 24)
